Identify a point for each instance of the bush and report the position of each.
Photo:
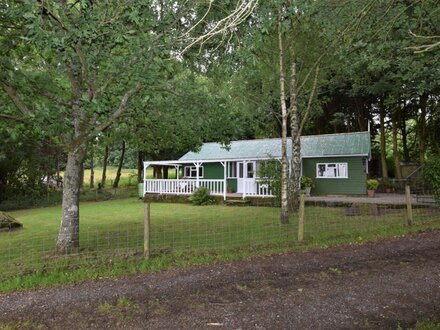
(270, 174)
(372, 184)
(202, 196)
(307, 182)
(387, 183)
(431, 175)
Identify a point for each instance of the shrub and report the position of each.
(202, 196)
(307, 182)
(387, 183)
(372, 184)
(270, 174)
(431, 175)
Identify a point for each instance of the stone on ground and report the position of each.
(8, 223)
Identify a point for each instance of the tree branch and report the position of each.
(12, 93)
(309, 103)
(9, 117)
(115, 115)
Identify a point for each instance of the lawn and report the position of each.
(113, 230)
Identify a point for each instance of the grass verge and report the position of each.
(181, 235)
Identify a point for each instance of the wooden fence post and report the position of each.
(301, 217)
(409, 214)
(147, 230)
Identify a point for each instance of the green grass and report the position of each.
(181, 234)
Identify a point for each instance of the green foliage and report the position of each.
(202, 196)
(387, 183)
(307, 182)
(431, 174)
(372, 184)
(270, 174)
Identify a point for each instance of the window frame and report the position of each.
(193, 170)
(336, 165)
(232, 167)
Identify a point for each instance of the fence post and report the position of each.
(147, 230)
(301, 217)
(409, 214)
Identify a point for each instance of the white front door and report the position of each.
(246, 172)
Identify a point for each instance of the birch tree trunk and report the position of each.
(383, 151)
(284, 216)
(295, 168)
(121, 162)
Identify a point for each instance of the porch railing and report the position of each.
(257, 188)
(187, 186)
(182, 186)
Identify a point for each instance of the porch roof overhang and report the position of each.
(183, 162)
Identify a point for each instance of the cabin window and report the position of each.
(250, 169)
(191, 171)
(332, 170)
(232, 170)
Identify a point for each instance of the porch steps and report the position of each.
(237, 202)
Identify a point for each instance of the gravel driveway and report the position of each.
(386, 284)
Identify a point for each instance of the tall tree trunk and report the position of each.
(104, 167)
(157, 172)
(68, 236)
(284, 215)
(422, 128)
(165, 172)
(383, 150)
(297, 127)
(404, 135)
(295, 164)
(140, 166)
(121, 162)
(92, 167)
(396, 157)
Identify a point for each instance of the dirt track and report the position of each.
(375, 285)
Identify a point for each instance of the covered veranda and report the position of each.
(250, 185)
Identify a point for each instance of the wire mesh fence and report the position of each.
(115, 230)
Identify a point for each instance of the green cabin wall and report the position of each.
(355, 184)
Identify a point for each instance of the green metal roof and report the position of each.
(343, 144)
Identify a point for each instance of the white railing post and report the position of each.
(225, 180)
(145, 178)
(244, 178)
(197, 174)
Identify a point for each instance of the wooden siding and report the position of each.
(355, 184)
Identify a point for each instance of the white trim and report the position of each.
(232, 165)
(191, 169)
(328, 156)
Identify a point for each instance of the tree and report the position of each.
(85, 61)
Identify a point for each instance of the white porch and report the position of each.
(247, 184)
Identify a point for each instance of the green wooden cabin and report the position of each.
(337, 163)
